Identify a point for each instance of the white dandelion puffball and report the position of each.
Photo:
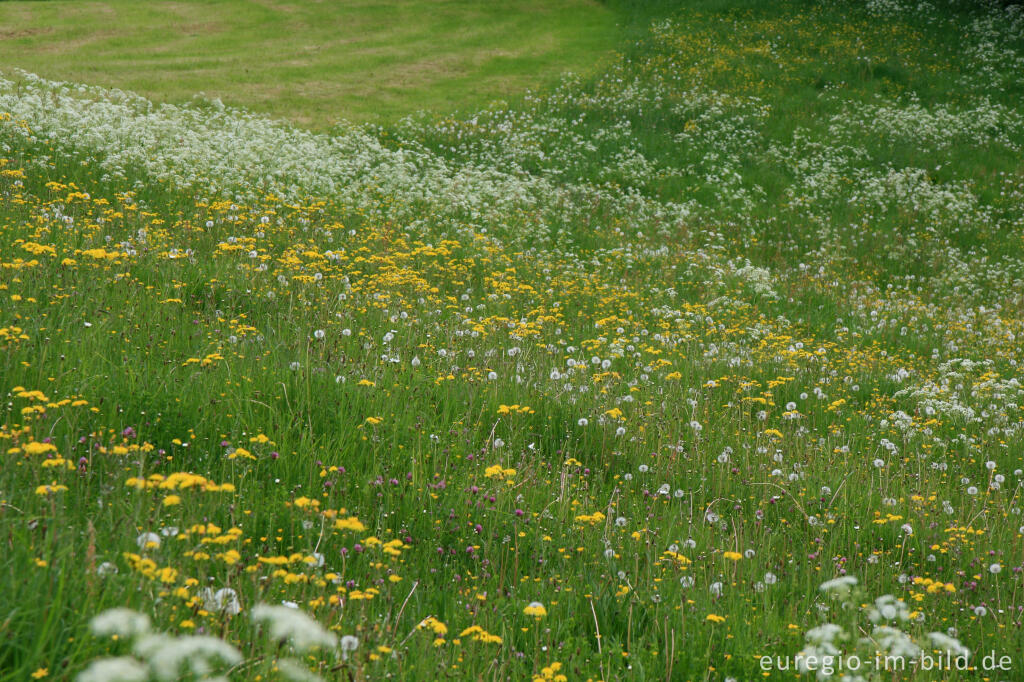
(148, 541)
(349, 643)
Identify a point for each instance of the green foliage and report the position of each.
(661, 348)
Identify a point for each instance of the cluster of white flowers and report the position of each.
(884, 636)
(969, 392)
(934, 128)
(120, 622)
(163, 657)
(759, 279)
(211, 147)
(294, 626)
(156, 655)
(169, 657)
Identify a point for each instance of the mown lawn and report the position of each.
(310, 61)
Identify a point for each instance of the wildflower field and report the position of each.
(708, 355)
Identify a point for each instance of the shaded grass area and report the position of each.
(310, 61)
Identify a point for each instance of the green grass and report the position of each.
(789, 233)
(312, 62)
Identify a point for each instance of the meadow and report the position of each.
(705, 355)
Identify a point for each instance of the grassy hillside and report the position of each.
(310, 61)
(710, 354)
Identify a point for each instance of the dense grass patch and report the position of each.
(707, 354)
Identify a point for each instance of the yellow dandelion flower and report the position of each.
(51, 489)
